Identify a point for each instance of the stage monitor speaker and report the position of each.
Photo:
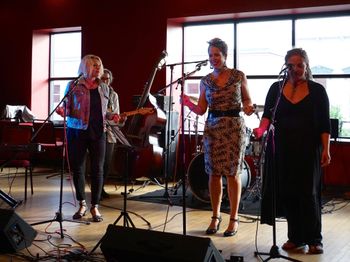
(132, 244)
(15, 233)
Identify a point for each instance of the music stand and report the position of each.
(274, 251)
(124, 213)
(59, 216)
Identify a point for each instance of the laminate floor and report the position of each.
(81, 241)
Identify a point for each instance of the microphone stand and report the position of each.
(182, 145)
(59, 215)
(274, 251)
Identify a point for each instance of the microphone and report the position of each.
(202, 63)
(286, 68)
(161, 60)
(76, 81)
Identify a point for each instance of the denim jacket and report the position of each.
(78, 105)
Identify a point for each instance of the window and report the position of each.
(65, 56)
(260, 47)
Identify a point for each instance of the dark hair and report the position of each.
(107, 71)
(302, 53)
(220, 44)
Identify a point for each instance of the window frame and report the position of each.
(293, 19)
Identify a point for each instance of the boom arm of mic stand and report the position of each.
(180, 79)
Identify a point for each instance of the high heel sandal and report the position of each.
(211, 231)
(230, 233)
(95, 217)
(81, 211)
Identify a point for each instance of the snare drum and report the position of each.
(198, 179)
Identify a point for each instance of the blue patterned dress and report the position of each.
(224, 137)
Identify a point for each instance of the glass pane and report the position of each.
(65, 54)
(57, 92)
(327, 42)
(338, 91)
(196, 44)
(261, 46)
(193, 123)
(258, 89)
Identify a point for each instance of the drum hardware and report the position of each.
(258, 109)
(198, 179)
(254, 191)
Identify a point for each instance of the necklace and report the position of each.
(295, 87)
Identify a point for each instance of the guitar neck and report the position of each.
(136, 112)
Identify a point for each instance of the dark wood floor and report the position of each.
(82, 238)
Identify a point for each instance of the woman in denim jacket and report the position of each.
(86, 111)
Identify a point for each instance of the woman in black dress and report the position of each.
(296, 151)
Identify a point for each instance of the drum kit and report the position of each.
(251, 176)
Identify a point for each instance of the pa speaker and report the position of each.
(132, 244)
(15, 233)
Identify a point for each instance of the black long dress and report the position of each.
(293, 158)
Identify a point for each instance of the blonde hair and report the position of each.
(87, 63)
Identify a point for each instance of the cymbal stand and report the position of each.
(254, 191)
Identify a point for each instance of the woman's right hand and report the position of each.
(186, 101)
(259, 131)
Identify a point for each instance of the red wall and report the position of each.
(129, 38)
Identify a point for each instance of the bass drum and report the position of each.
(198, 179)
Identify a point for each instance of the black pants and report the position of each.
(108, 159)
(79, 143)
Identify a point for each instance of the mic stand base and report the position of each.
(274, 253)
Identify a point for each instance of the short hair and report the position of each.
(107, 71)
(302, 53)
(86, 64)
(220, 44)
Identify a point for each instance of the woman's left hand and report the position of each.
(249, 109)
(325, 158)
(119, 118)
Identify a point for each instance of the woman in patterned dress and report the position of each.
(223, 91)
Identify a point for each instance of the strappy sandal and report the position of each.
(95, 217)
(81, 211)
(211, 231)
(230, 233)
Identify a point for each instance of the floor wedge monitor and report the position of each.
(133, 244)
(15, 233)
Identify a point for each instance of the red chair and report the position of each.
(16, 149)
(45, 135)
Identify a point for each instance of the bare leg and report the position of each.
(215, 189)
(234, 193)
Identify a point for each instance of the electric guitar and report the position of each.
(140, 111)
